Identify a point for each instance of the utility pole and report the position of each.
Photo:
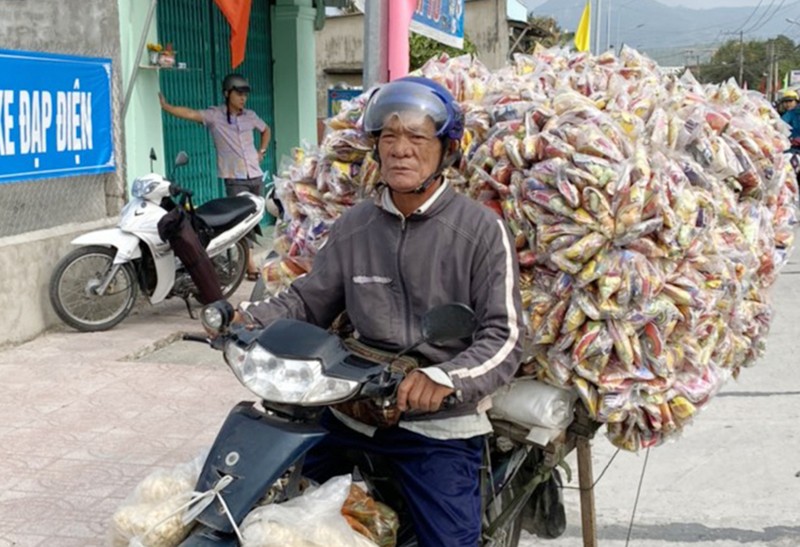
(770, 73)
(599, 21)
(608, 26)
(741, 58)
(376, 42)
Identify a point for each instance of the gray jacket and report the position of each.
(387, 271)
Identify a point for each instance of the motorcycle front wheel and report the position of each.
(230, 266)
(73, 289)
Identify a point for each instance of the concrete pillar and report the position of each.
(294, 75)
(376, 47)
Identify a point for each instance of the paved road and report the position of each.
(84, 417)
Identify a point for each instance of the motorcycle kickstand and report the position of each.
(189, 308)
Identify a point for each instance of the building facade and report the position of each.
(38, 218)
(340, 43)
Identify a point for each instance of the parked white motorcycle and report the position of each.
(95, 287)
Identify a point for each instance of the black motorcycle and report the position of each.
(298, 370)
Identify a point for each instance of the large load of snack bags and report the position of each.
(651, 214)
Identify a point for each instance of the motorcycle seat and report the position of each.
(223, 213)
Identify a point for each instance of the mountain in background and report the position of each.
(674, 35)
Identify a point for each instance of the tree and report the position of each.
(536, 31)
(423, 48)
(752, 59)
(547, 32)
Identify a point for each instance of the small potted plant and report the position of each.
(153, 52)
(166, 58)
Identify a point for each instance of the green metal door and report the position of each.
(200, 35)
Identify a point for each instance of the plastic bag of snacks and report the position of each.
(314, 519)
(372, 519)
(650, 214)
(151, 515)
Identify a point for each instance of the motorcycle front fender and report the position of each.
(165, 276)
(127, 245)
(255, 449)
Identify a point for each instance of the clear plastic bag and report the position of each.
(372, 519)
(150, 517)
(312, 520)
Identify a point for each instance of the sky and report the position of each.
(696, 4)
(705, 4)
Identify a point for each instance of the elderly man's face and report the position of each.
(410, 151)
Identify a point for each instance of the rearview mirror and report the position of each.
(181, 159)
(448, 322)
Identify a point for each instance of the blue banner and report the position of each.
(441, 20)
(55, 116)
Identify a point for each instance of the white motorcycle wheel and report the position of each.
(231, 266)
(72, 289)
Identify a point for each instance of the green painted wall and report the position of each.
(294, 73)
(142, 124)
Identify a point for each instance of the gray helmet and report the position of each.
(237, 82)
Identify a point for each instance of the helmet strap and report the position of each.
(425, 183)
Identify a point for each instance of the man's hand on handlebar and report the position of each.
(237, 319)
(418, 392)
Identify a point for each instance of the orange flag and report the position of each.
(237, 12)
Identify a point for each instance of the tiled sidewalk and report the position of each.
(80, 425)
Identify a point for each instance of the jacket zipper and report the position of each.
(406, 300)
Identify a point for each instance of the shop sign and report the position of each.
(441, 20)
(55, 116)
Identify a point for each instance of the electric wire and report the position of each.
(603, 472)
(756, 26)
(750, 16)
(763, 19)
(638, 492)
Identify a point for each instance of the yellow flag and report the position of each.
(583, 32)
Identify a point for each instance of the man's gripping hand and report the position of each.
(418, 392)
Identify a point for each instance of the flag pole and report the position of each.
(598, 26)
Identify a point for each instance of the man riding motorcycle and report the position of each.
(791, 115)
(417, 245)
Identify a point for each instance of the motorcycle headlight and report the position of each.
(282, 380)
(141, 188)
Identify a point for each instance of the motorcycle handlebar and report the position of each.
(386, 386)
(175, 190)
